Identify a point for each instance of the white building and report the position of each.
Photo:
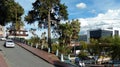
(102, 32)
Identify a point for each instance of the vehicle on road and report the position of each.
(3, 38)
(9, 43)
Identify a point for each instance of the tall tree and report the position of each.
(47, 13)
(19, 25)
(65, 32)
(76, 29)
(10, 11)
(69, 31)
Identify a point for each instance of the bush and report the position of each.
(54, 47)
(82, 55)
(64, 49)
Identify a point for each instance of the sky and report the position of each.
(91, 13)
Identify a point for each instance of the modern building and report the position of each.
(83, 38)
(98, 33)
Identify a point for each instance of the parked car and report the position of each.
(3, 38)
(9, 43)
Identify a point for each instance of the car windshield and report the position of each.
(9, 41)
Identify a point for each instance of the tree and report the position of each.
(111, 45)
(47, 13)
(83, 45)
(65, 33)
(10, 11)
(93, 47)
(115, 48)
(76, 29)
(19, 25)
(34, 40)
(69, 31)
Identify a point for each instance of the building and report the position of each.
(12, 33)
(17, 34)
(83, 38)
(98, 33)
(2, 32)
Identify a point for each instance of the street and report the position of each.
(19, 57)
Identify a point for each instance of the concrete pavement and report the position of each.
(50, 58)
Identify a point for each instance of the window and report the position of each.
(116, 32)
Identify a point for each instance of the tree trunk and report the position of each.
(69, 56)
(62, 58)
(49, 31)
(36, 45)
(57, 52)
(41, 46)
(49, 50)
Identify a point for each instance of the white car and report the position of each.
(9, 43)
(3, 39)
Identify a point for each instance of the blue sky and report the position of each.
(91, 9)
(91, 13)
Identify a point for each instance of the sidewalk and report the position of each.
(50, 58)
(2, 61)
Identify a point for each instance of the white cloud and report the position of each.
(103, 20)
(81, 5)
(107, 4)
(93, 11)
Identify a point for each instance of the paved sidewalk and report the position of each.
(50, 58)
(2, 61)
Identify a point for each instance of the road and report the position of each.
(19, 57)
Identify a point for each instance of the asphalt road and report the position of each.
(19, 57)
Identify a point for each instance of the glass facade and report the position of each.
(116, 32)
(83, 38)
(106, 33)
(96, 34)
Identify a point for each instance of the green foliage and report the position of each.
(76, 29)
(115, 48)
(106, 40)
(109, 45)
(82, 54)
(65, 33)
(64, 49)
(18, 25)
(55, 47)
(34, 40)
(10, 11)
(41, 9)
(84, 45)
(48, 13)
(94, 47)
(69, 31)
